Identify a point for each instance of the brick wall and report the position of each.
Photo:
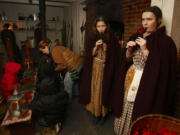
(127, 11)
(132, 11)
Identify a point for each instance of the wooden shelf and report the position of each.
(23, 30)
(18, 21)
(26, 28)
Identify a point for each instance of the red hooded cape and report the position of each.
(10, 78)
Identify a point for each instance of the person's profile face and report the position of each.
(44, 50)
(101, 27)
(149, 22)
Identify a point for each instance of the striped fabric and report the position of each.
(122, 124)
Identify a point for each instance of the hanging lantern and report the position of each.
(18, 104)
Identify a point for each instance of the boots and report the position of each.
(98, 120)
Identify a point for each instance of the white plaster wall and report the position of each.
(75, 16)
(171, 18)
(55, 12)
(167, 7)
(12, 12)
(175, 33)
(68, 19)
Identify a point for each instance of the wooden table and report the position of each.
(21, 125)
(22, 128)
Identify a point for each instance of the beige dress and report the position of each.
(95, 106)
(122, 124)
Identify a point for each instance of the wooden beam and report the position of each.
(35, 2)
(42, 9)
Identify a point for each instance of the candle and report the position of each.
(28, 64)
(17, 113)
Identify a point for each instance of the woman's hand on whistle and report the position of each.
(99, 43)
(142, 43)
(130, 45)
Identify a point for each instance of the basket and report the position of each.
(156, 122)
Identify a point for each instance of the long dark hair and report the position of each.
(106, 35)
(156, 11)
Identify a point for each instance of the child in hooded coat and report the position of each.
(10, 79)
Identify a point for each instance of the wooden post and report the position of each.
(42, 9)
(27, 49)
(10, 50)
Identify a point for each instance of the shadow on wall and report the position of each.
(117, 28)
